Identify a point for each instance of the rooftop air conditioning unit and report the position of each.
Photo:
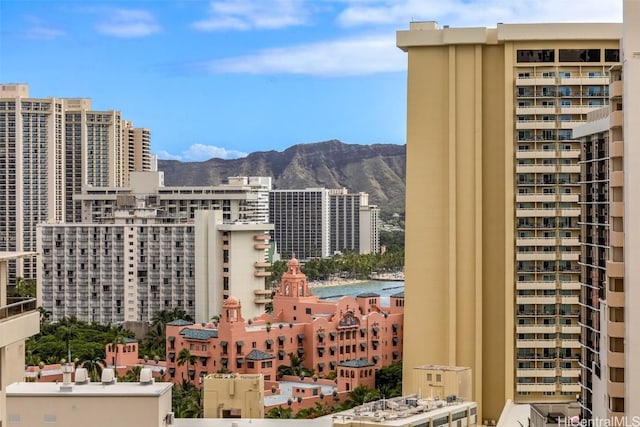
(108, 376)
(146, 377)
(81, 376)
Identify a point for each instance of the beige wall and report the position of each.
(243, 393)
(631, 47)
(94, 411)
(443, 381)
(456, 161)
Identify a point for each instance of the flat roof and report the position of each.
(90, 389)
(443, 367)
(14, 255)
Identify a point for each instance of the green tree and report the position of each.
(186, 358)
(359, 396)
(296, 367)
(94, 367)
(280, 413)
(389, 380)
(25, 288)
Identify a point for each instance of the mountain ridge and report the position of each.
(377, 169)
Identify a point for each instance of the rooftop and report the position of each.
(199, 334)
(89, 389)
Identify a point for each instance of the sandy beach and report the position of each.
(334, 282)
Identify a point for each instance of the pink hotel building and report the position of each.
(352, 336)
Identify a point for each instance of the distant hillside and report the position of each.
(377, 169)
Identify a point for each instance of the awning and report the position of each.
(223, 343)
(172, 371)
(375, 359)
(396, 354)
(281, 338)
(333, 334)
(363, 345)
(320, 351)
(240, 360)
(281, 353)
(333, 348)
(269, 341)
(396, 326)
(394, 340)
(240, 343)
(301, 350)
(332, 364)
(363, 331)
(375, 329)
(320, 365)
(172, 338)
(172, 355)
(300, 336)
(321, 335)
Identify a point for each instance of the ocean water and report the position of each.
(382, 288)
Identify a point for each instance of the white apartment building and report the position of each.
(140, 261)
(242, 199)
(49, 149)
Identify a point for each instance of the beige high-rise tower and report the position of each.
(492, 235)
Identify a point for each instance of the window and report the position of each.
(579, 55)
(540, 55)
(612, 55)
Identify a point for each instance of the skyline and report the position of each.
(226, 78)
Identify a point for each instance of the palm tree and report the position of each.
(118, 336)
(280, 413)
(94, 367)
(185, 357)
(155, 340)
(359, 396)
(295, 367)
(132, 374)
(45, 314)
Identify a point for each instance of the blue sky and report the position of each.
(224, 78)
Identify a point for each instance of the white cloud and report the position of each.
(128, 23)
(477, 12)
(37, 29)
(251, 14)
(201, 152)
(343, 57)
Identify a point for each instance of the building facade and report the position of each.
(19, 320)
(240, 200)
(609, 376)
(353, 223)
(318, 222)
(489, 125)
(326, 334)
(140, 262)
(51, 147)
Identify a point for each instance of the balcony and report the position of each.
(615, 389)
(535, 256)
(537, 343)
(537, 168)
(616, 149)
(18, 321)
(533, 372)
(574, 343)
(532, 213)
(535, 285)
(262, 264)
(570, 329)
(615, 329)
(536, 329)
(616, 118)
(262, 273)
(261, 246)
(616, 179)
(570, 388)
(536, 387)
(536, 241)
(615, 269)
(536, 124)
(615, 359)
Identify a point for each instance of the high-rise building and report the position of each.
(50, 148)
(137, 142)
(492, 232)
(353, 223)
(609, 379)
(140, 261)
(319, 222)
(301, 222)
